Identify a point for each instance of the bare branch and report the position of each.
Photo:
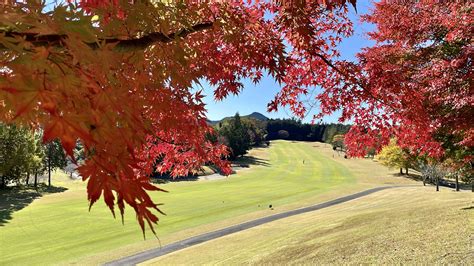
(121, 44)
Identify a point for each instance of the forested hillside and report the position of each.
(303, 131)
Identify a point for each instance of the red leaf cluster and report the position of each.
(414, 84)
(420, 71)
(124, 85)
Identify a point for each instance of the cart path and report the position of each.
(158, 252)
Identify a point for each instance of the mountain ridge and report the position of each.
(253, 115)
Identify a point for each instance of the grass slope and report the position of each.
(403, 225)
(57, 227)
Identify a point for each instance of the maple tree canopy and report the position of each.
(121, 78)
(415, 83)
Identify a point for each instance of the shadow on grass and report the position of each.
(163, 179)
(13, 199)
(442, 182)
(247, 161)
(412, 176)
(242, 162)
(262, 145)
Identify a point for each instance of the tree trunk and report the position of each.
(3, 182)
(424, 180)
(457, 183)
(49, 171)
(472, 186)
(406, 169)
(49, 176)
(401, 171)
(36, 179)
(27, 178)
(437, 184)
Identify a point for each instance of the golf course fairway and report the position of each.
(58, 228)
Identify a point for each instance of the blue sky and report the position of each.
(254, 98)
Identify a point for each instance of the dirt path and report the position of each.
(154, 253)
(218, 176)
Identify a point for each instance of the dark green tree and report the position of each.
(35, 163)
(17, 147)
(256, 130)
(54, 158)
(236, 136)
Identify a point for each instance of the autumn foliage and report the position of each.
(121, 76)
(415, 83)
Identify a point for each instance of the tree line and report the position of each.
(24, 156)
(242, 133)
(297, 130)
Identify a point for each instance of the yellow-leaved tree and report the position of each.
(393, 156)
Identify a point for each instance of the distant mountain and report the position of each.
(254, 115)
(258, 116)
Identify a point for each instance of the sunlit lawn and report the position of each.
(397, 226)
(58, 228)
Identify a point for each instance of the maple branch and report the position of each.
(353, 79)
(331, 65)
(120, 44)
(155, 37)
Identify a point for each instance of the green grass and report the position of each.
(57, 227)
(397, 226)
